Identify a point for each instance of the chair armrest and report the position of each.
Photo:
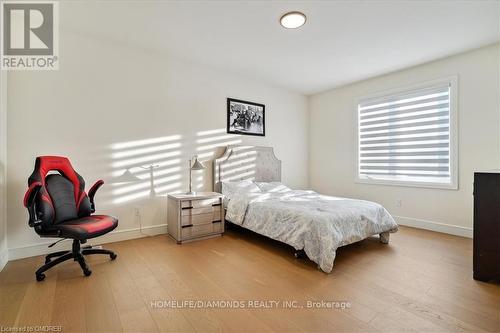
(92, 192)
(30, 201)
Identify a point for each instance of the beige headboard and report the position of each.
(246, 162)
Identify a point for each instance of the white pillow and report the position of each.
(229, 189)
(272, 187)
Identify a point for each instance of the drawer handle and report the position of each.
(217, 204)
(217, 221)
(190, 207)
(187, 226)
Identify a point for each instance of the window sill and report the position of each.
(453, 186)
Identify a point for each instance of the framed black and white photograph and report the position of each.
(246, 118)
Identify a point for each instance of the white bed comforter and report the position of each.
(306, 220)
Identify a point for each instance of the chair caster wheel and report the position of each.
(113, 256)
(40, 277)
(87, 272)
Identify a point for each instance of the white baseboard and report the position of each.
(4, 257)
(434, 226)
(114, 236)
(121, 235)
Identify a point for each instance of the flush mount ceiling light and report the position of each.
(293, 20)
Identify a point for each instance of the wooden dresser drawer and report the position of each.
(201, 218)
(195, 211)
(197, 219)
(193, 204)
(201, 230)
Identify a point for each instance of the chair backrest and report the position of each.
(62, 196)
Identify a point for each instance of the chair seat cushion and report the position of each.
(87, 227)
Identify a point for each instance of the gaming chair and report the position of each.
(59, 207)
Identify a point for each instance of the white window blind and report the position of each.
(406, 137)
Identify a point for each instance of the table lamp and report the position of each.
(197, 165)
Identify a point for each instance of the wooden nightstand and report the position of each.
(197, 216)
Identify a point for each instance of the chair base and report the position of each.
(77, 253)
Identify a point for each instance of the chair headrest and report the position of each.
(45, 164)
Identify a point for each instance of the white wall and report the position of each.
(107, 97)
(3, 163)
(333, 118)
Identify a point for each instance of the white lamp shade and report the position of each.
(197, 165)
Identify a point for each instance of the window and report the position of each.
(409, 137)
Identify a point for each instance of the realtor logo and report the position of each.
(29, 39)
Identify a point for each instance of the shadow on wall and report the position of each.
(240, 165)
(170, 155)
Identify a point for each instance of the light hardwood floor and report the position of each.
(421, 281)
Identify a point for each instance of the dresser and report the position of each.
(197, 216)
(486, 226)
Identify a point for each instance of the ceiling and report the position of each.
(342, 41)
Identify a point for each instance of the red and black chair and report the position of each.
(59, 207)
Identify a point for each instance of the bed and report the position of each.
(250, 179)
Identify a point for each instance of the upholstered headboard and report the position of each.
(246, 162)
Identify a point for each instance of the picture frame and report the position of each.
(246, 118)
